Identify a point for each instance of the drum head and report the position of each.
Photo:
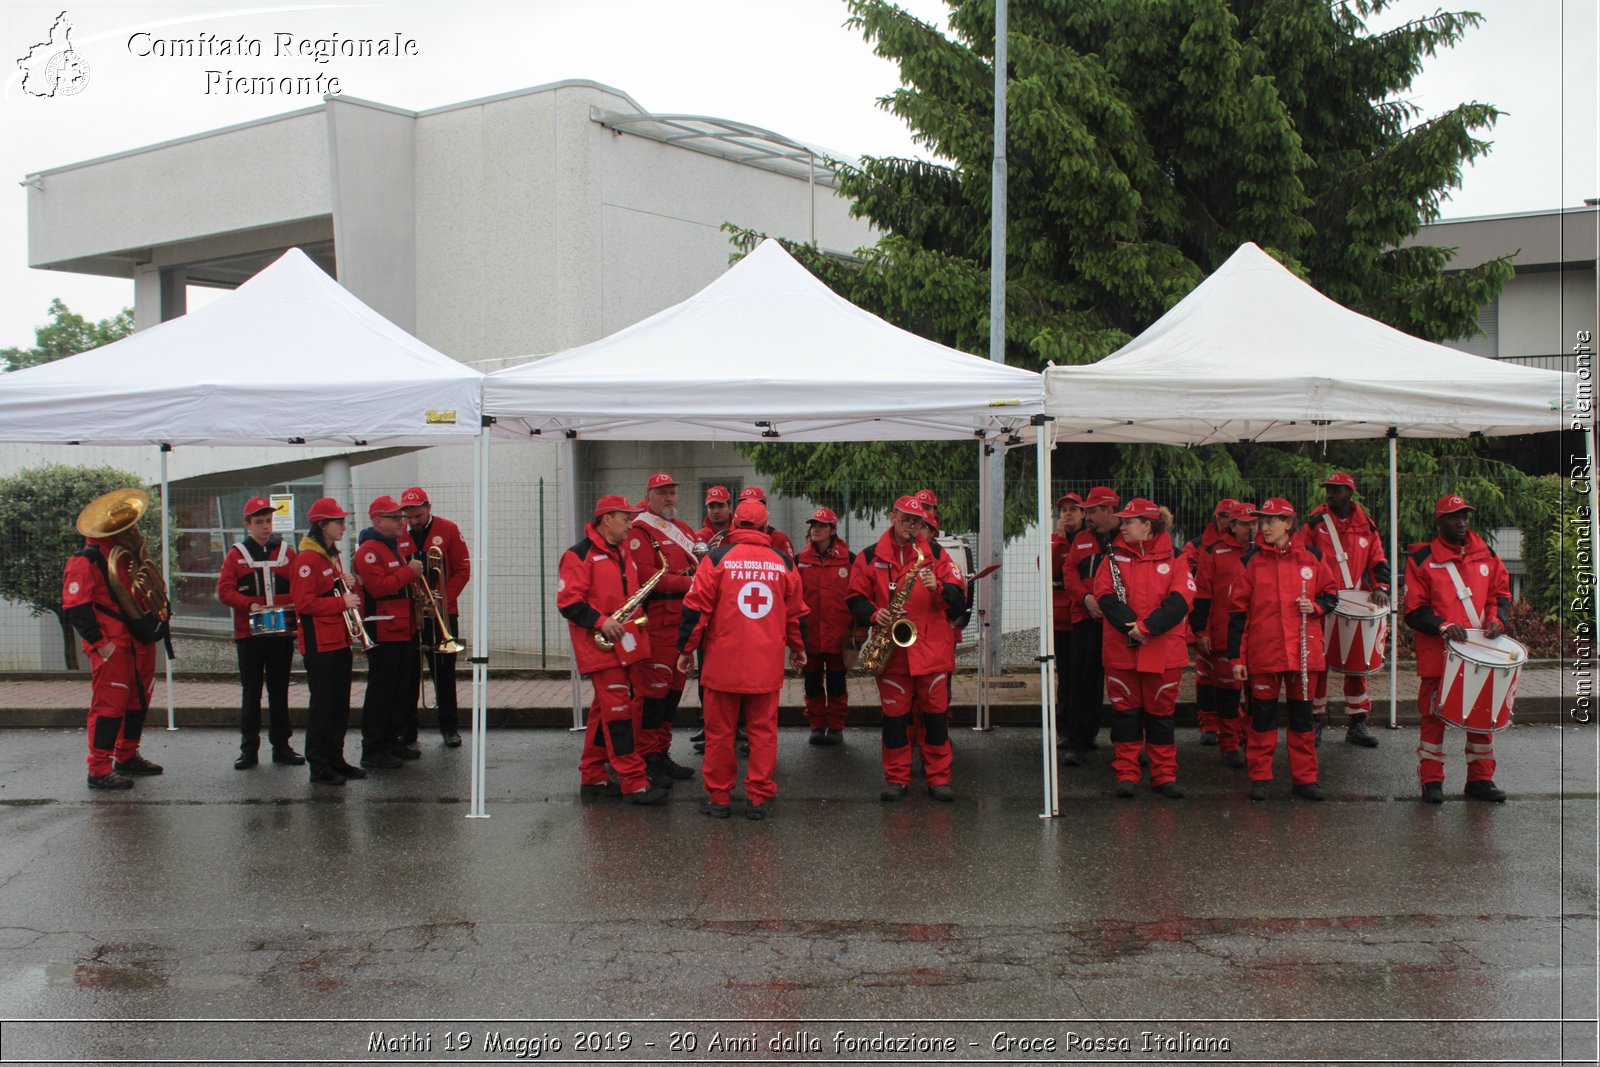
(1502, 651)
(1357, 604)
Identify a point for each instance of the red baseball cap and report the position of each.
(1276, 506)
(1242, 511)
(413, 497)
(1341, 479)
(1069, 498)
(928, 496)
(607, 504)
(327, 508)
(660, 481)
(753, 512)
(1140, 508)
(256, 505)
(384, 505)
(1450, 504)
(753, 492)
(911, 506)
(717, 494)
(1225, 506)
(1100, 496)
(824, 516)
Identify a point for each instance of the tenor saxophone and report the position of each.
(625, 613)
(899, 631)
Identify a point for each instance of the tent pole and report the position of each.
(480, 620)
(1047, 631)
(995, 497)
(166, 575)
(1397, 571)
(980, 718)
(568, 512)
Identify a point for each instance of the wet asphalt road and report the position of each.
(214, 894)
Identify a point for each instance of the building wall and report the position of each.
(1542, 311)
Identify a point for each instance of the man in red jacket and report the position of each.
(1144, 591)
(1353, 547)
(913, 679)
(824, 566)
(428, 532)
(1275, 641)
(745, 608)
(597, 576)
(719, 516)
(251, 569)
(780, 540)
(1453, 582)
(1069, 521)
(658, 535)
(1205, 673)
(386, 577)
(1088, 679)
(1220, 563)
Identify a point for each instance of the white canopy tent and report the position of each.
(288, 358)
(1256, 354)
(767, 351)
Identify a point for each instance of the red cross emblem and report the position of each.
(755, 600)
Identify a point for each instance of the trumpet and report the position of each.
(625, 613)
(433, 602)
(353, 624)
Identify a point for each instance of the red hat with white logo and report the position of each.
(1278, 506)
(753, 492)
(327, 508)
(256, 505)
(1225, 506)
(1242, 511)
(718, 494)
(825, 516)
(660, 481)
(1101, 496)
(607, 504)
(1341, 479)
(928, 496)
(413, 497)
(910, 505)
(1140, 508)
(384, 505)
(1069, 498)
(750, 512)
(1448, 505)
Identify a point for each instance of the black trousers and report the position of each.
(264, 658)
(1087, 697)
(442, 671)
(328, 676)
(392, 672)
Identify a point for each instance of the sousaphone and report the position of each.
(116, 515)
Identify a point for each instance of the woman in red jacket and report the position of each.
(1220, 561)
(1275, 641)
(325, 641)
(1144, 592)
(824, 566)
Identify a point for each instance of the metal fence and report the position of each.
(527, 535)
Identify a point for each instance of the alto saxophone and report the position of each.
(624, 614)
(899, 631)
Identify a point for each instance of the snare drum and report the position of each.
(1479, 688)
(1354, 634)
(268, 621)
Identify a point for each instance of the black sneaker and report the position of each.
(109, 780)
(1486, 790)
(1234, 759)
(1072, 757)
(653, 797)
(942, 793)
(835, 737)
(756, 812)
(1258, 790)
(347, 771)
(1125, 789)
(893, 791)
(137, 766)
(1358, 734)
(381, 761)
(819, 736)
(326, 776)
(452, 739)
(699, 742)
(715, 810)
(609, 788)
(1208, 738)
(674, 769)
(245, 761)
(287, 756)
(1308, 791)
(407, 751)
(1433, 792)
(1170, 790)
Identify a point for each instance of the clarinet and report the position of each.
(1118, 588)
(1305, 692)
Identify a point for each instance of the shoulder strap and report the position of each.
(1338, 550)
(1464, 594)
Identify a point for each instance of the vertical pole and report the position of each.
(1047, 630)
(480, 622)
(569, 528)
(166, 574)
(811, 192)
(1397, 573)
(995, 500)
(985, 588)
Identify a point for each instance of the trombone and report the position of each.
(431, 601)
